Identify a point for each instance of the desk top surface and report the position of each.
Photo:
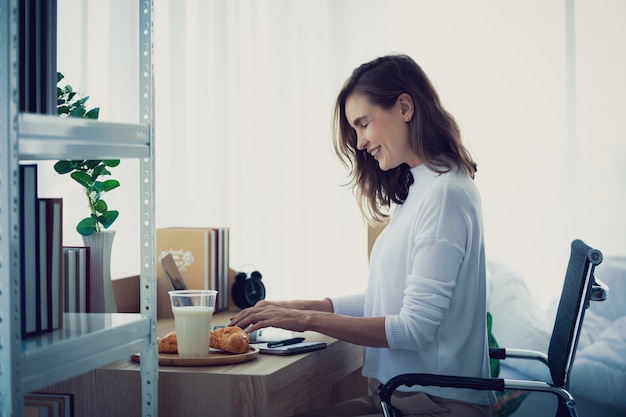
(263, 365)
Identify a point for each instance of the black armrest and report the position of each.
(599, 290)
(484, 384)
(497, 353)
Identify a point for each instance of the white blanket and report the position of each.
(599, 370)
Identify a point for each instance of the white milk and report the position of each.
(193, 324)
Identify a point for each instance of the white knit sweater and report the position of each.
(427, 277)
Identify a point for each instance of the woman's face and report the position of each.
(384, 134)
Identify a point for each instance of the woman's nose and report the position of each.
(361, 142)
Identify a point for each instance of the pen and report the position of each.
(285, 342)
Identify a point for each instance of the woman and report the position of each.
(424, 307)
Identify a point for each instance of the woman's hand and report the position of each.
(318, 316)
(268, 314)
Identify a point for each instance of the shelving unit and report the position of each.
(87, 341)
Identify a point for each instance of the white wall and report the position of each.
(244, 95)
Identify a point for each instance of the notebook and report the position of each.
(301, 347)
(270, 334)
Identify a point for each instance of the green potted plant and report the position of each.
(88, 173)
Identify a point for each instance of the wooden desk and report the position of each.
(269, 386)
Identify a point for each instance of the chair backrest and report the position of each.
(575, 297)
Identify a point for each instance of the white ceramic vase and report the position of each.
(101, 297)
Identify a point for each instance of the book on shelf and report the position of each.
(76, 278)
(41, 257)
(48, 404)
(56, 265)
(51, 263)
(70, 278)
(36, 409)
(30, 300)
(83, 267)
(45, 278)
(202, 256)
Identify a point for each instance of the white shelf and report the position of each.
(42, 137)
(85, 342)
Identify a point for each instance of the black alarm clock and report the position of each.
(247, 290)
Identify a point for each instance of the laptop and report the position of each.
(172, 273)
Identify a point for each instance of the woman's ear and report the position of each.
(405, 102)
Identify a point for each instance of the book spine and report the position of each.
(214, 263)
(51, 262)
(56, 296)
(44, 273)
(83, 280)
(225, 266)
(29, 248)
(70, 280)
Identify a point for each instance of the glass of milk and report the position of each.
(193, 310)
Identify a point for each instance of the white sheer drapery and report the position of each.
(244, 95)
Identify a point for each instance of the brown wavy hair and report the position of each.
(433, 133)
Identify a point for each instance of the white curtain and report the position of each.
(244, 97)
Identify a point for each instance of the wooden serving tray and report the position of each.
(214, 357)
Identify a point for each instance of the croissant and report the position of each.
(230, 339)
(168, 343)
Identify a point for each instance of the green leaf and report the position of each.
(109, 185)
(63, 110)
(97, 171)
(97, 186)
(78, 164)
(93, 114)
(92, 163)
(63, 167)
(77, 112)
(111, 162)
(82, 178)
(101, 206)
(60, 76)
(108, 218)
(87, 226)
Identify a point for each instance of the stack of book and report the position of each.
(53, 278)
(202, 256)
(48, 405)
(77, 267)
(41, 262)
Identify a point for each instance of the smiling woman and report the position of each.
(244, 95)
(391, 149)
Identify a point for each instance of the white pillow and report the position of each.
(518, 322)
(599, 370)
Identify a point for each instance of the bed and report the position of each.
(598, 377)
